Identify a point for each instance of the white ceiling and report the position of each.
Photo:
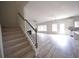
(42, 11)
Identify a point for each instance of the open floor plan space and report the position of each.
(57, 46)
(39, 29)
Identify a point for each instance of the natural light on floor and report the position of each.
(61, 41)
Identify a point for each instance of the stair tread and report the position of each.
(21, 52)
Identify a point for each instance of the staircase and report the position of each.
(16, 44)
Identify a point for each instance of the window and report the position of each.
(62, 28)
(42, 28)
(76, 24)
(54, 27)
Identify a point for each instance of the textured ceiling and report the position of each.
(46, 11)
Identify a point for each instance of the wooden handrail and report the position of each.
(27, 22)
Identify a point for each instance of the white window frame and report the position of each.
(54, 27)
(42, 27)
(62, 28)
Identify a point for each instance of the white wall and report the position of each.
(67, 21)
(1, 44)
(8, 13)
